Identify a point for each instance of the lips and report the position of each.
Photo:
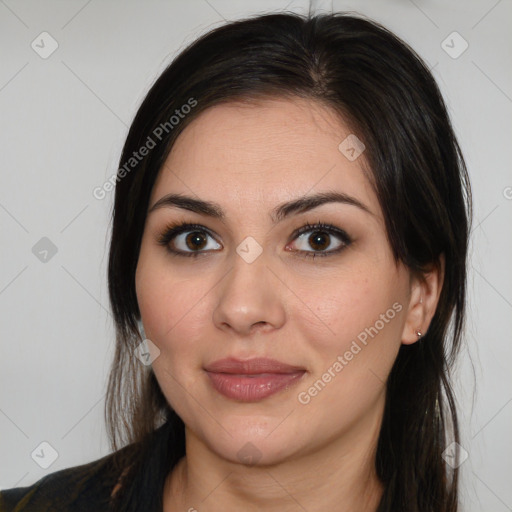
(253, 379)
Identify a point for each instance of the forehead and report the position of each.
(265, 151)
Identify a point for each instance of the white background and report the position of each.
(63, 121)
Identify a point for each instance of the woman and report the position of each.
(288, 253)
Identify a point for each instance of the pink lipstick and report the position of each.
(253, 379)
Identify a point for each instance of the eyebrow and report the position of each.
(279, 213)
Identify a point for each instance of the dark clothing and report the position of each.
(143, 467)
(81, 488)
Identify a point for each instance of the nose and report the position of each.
(249, 298)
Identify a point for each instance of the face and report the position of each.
(313, 287)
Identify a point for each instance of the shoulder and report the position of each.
(87, 487)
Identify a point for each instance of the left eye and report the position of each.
(319, 241)
(323, 240)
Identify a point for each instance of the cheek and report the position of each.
(171, 310)
(157, 292)
(347, 305)
(352, 348)
(174, 308)
(174, 315)
(366, 315)
(353, 338)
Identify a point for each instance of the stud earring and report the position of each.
(419, 333)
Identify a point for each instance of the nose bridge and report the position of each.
(247, 296)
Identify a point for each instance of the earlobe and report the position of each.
(425, 292)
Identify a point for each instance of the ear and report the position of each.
(425, 291)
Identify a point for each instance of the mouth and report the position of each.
(252, 380)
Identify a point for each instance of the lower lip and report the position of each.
(252, 388)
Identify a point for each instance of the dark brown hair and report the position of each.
(388, 97)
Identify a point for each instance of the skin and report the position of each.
(250, 157)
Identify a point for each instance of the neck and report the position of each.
(339, 476)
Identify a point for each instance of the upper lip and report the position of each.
(251, 366)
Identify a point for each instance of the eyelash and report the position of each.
(174, 229)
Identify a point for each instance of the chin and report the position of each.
(256, 452)
(252, 441)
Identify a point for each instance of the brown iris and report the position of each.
(197, 240)
(319, 240)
